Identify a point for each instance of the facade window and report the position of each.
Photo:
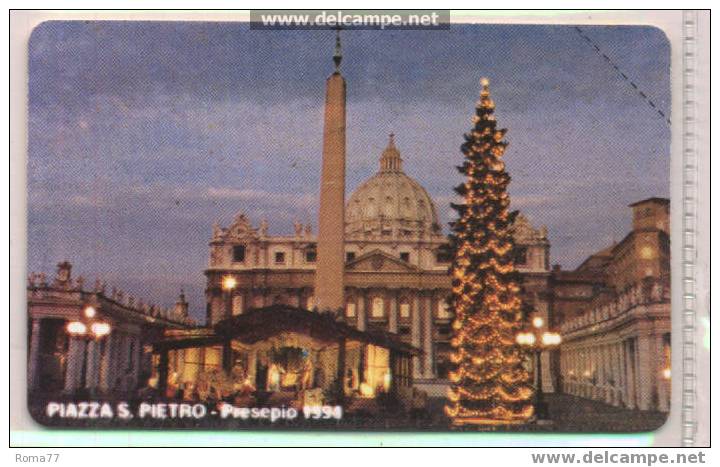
(310, 255)
(237, 305)
(279, 257)
(443, 311)
(238, 253)
(443, 255)
(405, 310)
(521, 255)
(350, 310)
(443, 368)
(404, 331)
(350, 256)
(405, 256)
(378, 308)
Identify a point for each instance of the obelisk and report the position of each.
(330, 272)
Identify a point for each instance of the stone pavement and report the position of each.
(578, 415)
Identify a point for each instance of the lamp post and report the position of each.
(88, 329)
(538, 340)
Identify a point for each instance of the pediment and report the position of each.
(523, 232)
(379, 261)
(240, 229)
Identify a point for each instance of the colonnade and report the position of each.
(112, 363)
(629, 371)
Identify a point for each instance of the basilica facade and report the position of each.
(396, 263)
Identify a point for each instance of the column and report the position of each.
(428, 338)
(576, 372)
(562, 365)
(611, 375)
(415, 334)
(585, 367)
(75, 362)
(108, 368)
(361, 310)
(252, 367)
(662, 383)
(628, 347)
(340, 374)
(598, 391)
(647, 371)
(180, 366)
(595, 352)
(123, 363)
(607, 362)
(393, 318)
(34, 360)
(92, 370)
(619, 373)
(137, 359)
(547, 371)
(163, 367)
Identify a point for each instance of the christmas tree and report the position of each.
(489, 385)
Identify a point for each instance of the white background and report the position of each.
(669, 436)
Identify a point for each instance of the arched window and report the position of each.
(350, 310)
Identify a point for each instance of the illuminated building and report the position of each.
(91, 339)
(391, 268)
(616, 344)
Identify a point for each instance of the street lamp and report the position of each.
(228, 285)
(98, 329)
(538, 322)
(87, 329)
(538, 341)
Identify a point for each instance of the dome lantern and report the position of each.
(390, 160)
(390, 204)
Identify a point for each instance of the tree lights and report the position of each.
(489, 385)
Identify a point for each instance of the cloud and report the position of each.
(141, 135)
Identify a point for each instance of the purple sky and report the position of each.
(142, 134)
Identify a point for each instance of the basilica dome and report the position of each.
(390, 203)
